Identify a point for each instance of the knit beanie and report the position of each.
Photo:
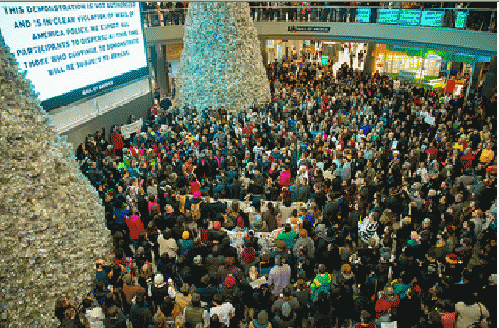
(229, 281)
(286, 309)
(263, 318)
(159, 279)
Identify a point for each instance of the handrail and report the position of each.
(329, 7)
(469, 18)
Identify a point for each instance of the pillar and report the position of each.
(263, 48)
(490, 79)
(477, 73)
(370, 63)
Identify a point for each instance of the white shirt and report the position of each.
(469, 314)
(224, 312)
(95, 317)
(172, 292)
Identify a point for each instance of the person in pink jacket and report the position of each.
(135, 226)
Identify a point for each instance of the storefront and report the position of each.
(443, 70)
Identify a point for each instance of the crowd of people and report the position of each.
(379, 203)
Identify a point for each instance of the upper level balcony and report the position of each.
(466, 30)
(463, 19)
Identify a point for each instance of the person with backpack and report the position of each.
(471, 313)
(194, 314)
(304, 241)
(248, 255)
(284, 309)
(185, 243)
(321, 283)
(262, 321)
(158, 291)
(140, 313)
(288, 236)
(258, 223)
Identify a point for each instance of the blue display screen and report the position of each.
(460, 19)
(410, 17)
(364, 15)
(432, 18)
(388, 16)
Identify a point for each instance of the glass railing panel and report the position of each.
(456, 18)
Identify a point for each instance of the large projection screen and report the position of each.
(73, 50)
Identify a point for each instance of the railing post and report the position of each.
(491, 20)
(309, 18)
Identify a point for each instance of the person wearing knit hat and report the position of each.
(216, 225)
(229, 281)
(262, 321)
(346, 268)
(159, 279)
(185, 243)
(240, 224)
(158, 291)
(280, 244)
(198, 260)
(130, 288)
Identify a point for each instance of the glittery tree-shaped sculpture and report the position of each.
(52, 227)
(221, 63)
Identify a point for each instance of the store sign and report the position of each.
(408, 76)
(460, 19)
(316, 29)
(432, 18)
(410, 17)
(364, 15)
(482, 59)
(388, 16)
(433, 56)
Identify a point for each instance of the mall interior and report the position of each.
(248, 164)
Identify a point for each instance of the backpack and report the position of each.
(258, 223)
(286, 311)
(182, 203)
(196, 213)
(193, 316)
(310, 218)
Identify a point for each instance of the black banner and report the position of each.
(93, 89)
(317, 29)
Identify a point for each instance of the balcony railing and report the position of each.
(463, 19)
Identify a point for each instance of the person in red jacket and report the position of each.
(117, 141)
(387, 300)
(135, 226)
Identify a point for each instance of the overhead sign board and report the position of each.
(388, 16)
(432, 18)
(410, 17)
(460, 19)
(317, 29)
(364, 15)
